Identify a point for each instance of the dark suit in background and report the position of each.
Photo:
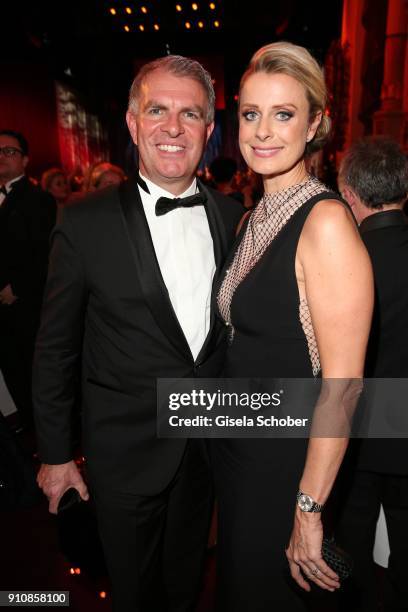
(377, 469)
(27, 216)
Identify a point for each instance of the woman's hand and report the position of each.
(304, 553)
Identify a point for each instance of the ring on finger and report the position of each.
(315, 571)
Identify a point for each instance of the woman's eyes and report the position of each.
(284, 115)
(250, 115)
(280, 115)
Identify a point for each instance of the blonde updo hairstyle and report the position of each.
(95, 174)
(49, 175)
(287, 58)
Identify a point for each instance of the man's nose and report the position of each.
(173, 125)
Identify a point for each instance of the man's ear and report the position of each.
(349, 195)
(210, 129)
(25, 161)
(132, 125)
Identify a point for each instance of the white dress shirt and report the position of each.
(184, 249)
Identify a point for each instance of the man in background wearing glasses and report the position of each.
(27, 216)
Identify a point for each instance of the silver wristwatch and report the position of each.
(306, 503)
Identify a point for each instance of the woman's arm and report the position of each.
(338, 284)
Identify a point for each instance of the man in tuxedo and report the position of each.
(129, 290)
(27, 216)
(373, 179)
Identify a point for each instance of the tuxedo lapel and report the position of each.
(148, 269)
(15, 192)
(216, 225)
(220, 246)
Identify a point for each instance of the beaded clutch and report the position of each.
(337, 559)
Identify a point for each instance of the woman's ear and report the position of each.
(314, 124)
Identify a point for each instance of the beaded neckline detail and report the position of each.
(267, 220)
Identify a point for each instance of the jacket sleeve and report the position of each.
(58, 347)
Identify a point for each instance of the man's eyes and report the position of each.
(192, 115)
(155, 110)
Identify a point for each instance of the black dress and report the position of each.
(257, 479)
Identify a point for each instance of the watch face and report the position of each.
(305, 502)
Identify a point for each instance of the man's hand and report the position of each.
(7, 296)
(54, 480)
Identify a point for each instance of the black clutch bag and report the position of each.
(337, 559)
(70, 498)
(78, 534)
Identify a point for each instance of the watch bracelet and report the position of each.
(316, 507)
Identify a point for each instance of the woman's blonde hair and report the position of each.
(49, 175)
(95, 173)
(295, 61)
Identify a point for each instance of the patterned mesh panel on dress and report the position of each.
(269, 217)
(306, 321)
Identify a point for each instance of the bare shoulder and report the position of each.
(329, 220)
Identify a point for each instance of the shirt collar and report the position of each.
(386, 218)
(14, 180)
(157, 192)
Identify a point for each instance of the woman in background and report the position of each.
(297, 298)
(101, 175)
(55, 182)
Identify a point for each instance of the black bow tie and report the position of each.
(165, 205)
(3, 190)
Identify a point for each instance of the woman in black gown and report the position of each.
(297, 298)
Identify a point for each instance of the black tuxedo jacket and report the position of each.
(385, 235)
(27, 217)
(106, 301)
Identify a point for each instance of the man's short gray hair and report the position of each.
(376, 169)
(180, 66)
